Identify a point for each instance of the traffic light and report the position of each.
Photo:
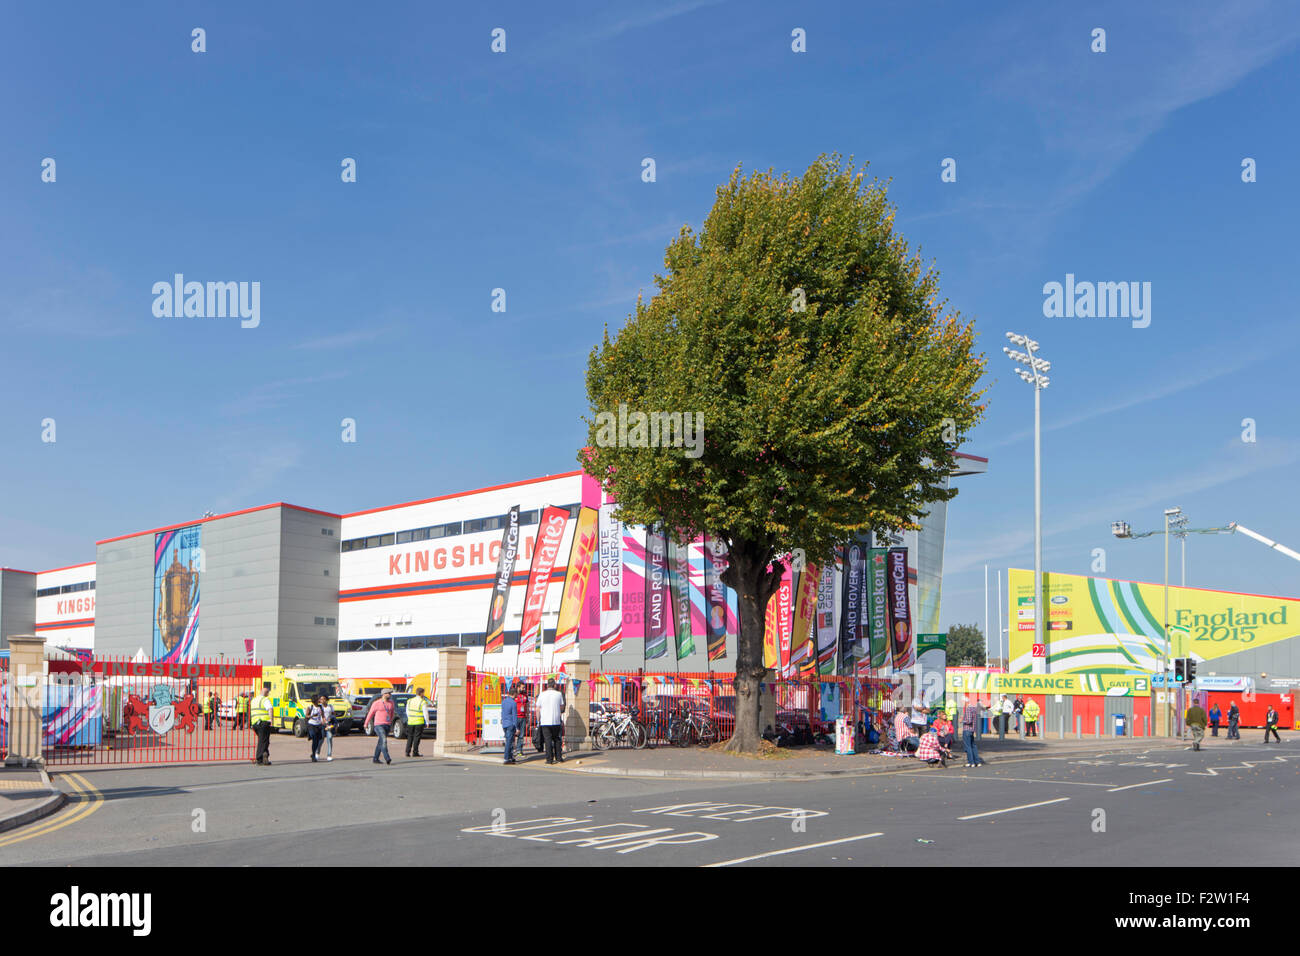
(1180, 674)
(1191, 670)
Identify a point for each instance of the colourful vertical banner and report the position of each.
(496, 623)
(634, 583)
(656, 594)
(177, 565)
(715, 564)
(545, 553)
(803, 657)
(679, 582)
(825, 623)
(771, 637)
(878, 607)
(611, 580)
(784, 611)
(901, 648)
(699, 593)
(851, 614)
(575, 580)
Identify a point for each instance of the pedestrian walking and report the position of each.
(550, 715)
(521, 712)
(1032, 712)
(1234, 720)
(510, 721)
(1196, 721)
(415, 721)
(1270, 724)
(331, 724)
(1216, 715)
(316, 724)
(970, 715)
(1004, 721)
(380, 717)
(261, 709)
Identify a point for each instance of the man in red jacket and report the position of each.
(380, 715)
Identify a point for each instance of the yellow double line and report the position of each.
(85, 800)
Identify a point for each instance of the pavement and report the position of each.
(26, 795)
(1139, 803)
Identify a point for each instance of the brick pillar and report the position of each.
(577, 733)
(453, 675)
(26, 687)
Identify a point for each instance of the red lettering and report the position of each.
(421, 561)
(457, 556)
(494, 552)
(528, 549)
(476, 553)
(408, 562)
(394, 564)
(440, 558)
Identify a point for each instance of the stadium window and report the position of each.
(473, 640)
(404, 537)
(331, 622)
(529, 517)
(420, 534)
(372, 541)
(385, 540)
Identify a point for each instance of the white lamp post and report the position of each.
(1035, 376)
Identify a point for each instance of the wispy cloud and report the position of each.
(272, 394)
(340, 340)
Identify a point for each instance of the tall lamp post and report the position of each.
(1035, 376)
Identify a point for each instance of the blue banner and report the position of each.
(177, 561)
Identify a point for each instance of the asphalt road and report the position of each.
(1165, 807)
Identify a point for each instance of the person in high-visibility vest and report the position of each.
(1032, 711)
(950, 705)
(261, 708)
(207, 712)
(241, 711)
(415, 722)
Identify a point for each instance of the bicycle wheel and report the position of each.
(708, 733)
(678, 733)
(640, 737)
(598, 739)
(609, 737)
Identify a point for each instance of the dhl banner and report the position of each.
(1106, 626)
(1112, 685)
(803, 658)
(575, 581)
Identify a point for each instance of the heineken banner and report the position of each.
(902, 651)
(611, 580)
(878, 608)
(851, 611)
(496, 624)
(545, 553)
(825, 625)
(177, 564)
(575, 581)
(803, 657)
(931, 665)
(715, 563)
(656, 594)
(679, 584)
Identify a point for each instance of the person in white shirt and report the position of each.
(1005, 724)
(550, 718)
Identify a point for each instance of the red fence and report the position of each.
(486, 688)
(122, 711)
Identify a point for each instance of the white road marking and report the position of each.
(993, 813)
(1149, 783)
(793, 849)
(1073, 783)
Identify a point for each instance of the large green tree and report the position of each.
(833, 383)
(966, 646)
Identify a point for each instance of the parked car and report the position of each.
(399, 718)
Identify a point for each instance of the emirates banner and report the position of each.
(784, 611)
(715, 563)
(496, 624)
(545, 553)
(851, 613)
(825, 625)
(878, 607)
(679, 579)
(575, 581)
(901, 648)
(611, 580)
(656, 594)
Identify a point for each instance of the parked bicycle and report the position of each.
(617, 728)
(689, 727)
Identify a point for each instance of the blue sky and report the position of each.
(522, 171)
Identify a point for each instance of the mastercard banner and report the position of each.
(496, 625)
(575, 580)
(901, 647)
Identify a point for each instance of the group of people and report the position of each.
(1196, 719)
(915, 731)
(212, 705)
(550, 720)
(381, 714)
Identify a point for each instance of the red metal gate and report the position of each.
(118, 711)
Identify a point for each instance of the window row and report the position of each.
(66, 589)
(472, 526)
(420, 642)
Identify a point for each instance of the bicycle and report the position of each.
(620, 728)
(688, 728)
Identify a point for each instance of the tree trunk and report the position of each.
(754, 585)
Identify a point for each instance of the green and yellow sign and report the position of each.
(1112, 685)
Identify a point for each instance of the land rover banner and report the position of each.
(177, 565)
(496, 624)
(1102, 625)
(851, 614)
